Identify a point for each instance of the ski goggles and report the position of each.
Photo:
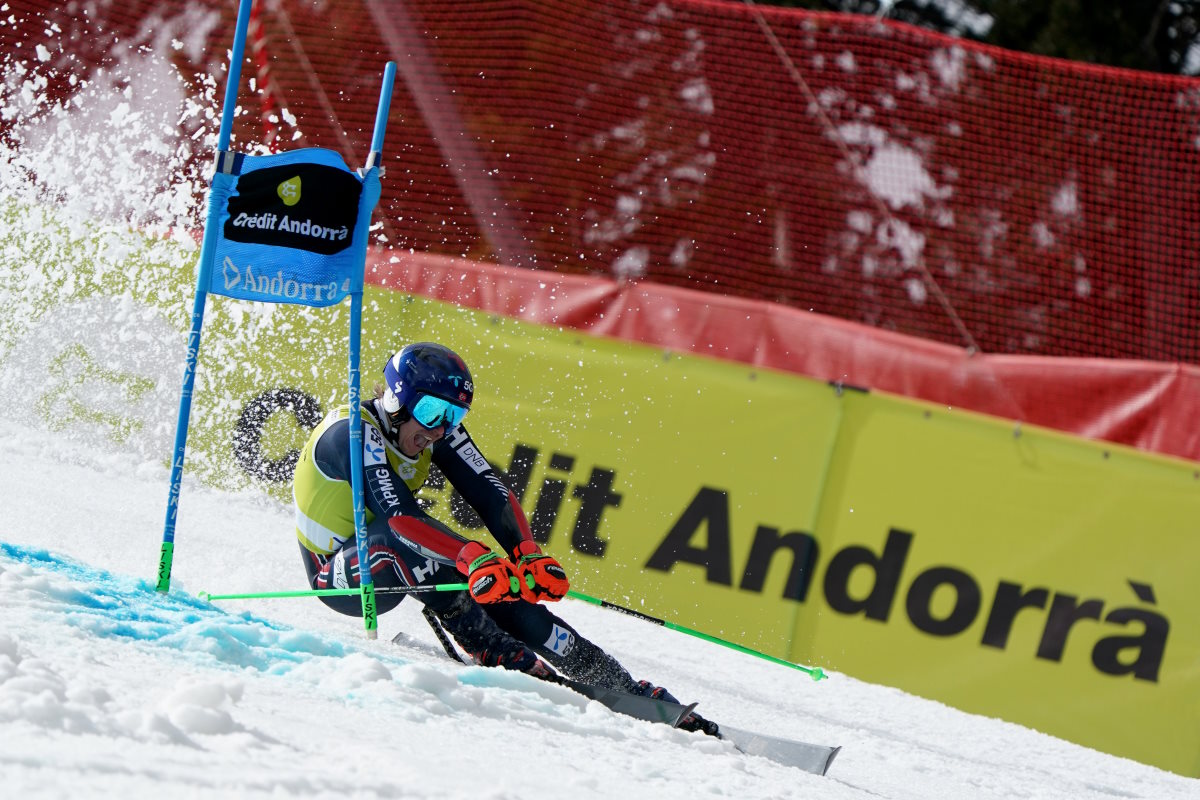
(430, 412)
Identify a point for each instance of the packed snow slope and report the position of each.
(110, 689)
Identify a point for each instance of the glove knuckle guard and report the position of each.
(542, 578)
(490, 578)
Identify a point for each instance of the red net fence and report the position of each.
(867, 170)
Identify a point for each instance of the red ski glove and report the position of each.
(541, 576)
(490, 578)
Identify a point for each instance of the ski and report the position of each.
(808, 757)
(631, 705)
(814, 758)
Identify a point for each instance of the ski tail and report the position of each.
(814, 758)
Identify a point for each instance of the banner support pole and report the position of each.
(207, 249)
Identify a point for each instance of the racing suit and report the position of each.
(493, 633)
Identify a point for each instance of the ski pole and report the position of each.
(816, 672)
(440, 587)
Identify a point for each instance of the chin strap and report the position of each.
(390, 420)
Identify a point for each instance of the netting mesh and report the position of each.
(872, 171)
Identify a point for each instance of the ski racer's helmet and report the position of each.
(429, 383)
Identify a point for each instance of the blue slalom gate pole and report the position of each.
(370, 175)
(375, 158)
(166, 554)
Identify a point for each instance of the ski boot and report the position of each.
(692, 722)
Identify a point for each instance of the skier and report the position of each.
(414, 421)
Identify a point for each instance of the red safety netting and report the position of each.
(862, 169)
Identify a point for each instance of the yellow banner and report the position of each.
(1016, 573)
(1012, 572)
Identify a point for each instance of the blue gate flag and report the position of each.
(290, 227)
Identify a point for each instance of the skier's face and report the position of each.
(415, 437)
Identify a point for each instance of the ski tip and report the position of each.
(829, 761)
(203, 596)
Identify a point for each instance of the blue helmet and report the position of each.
(429, 383)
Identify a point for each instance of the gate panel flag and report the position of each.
(285, 224)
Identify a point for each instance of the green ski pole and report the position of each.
(441, 587)
(816, 672)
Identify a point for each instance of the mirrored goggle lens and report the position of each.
(433, 411)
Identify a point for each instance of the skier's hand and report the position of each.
(490, 578)
(540, 575)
